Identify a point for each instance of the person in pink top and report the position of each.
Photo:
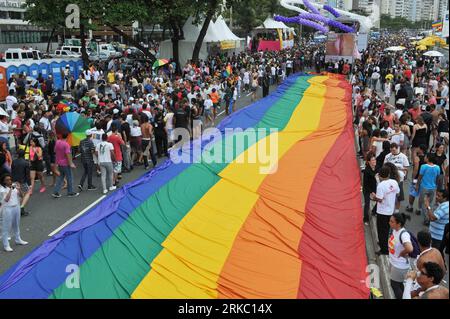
(65, 164)
(116, 140)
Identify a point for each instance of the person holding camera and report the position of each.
(10, 195)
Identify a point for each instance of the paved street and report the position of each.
(49, 214)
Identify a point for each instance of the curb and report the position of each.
(382, 262)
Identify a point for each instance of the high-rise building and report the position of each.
(414, 10)
(443, 8)
(384, 6)
(15, 32)
(366, 5)
(429, 10)
(346, 5)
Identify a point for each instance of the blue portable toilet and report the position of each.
(44, 70)
(24, 69)
(73, 69)
(34, 70)
(79, 67)
(56, 72)
(11, 71)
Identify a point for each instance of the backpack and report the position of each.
(415, 243)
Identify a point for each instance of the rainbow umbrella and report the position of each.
(74, 125)
(160, 62)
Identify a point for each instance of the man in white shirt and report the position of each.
(375, 77)
(208, 104)
(105, 154)
(146, 111)
(386, 195)
(45, 122)
(190, 97)
(398, 137)
(434, 83)
(443, 101)
(10, 101)
(96, 75)
(366, 103)
(5, 130)
(97, 136)
(401, 161)
(87, 75)
(10, 197)
(398, 114)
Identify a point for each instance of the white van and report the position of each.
(74, 49)
(12, 55)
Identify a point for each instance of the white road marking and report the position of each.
(220, 113)
(76, 216)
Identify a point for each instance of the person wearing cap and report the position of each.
(87, 150)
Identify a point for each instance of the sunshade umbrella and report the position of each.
(399, 48)
(434, 54)
(422, 47)
(74, 125)
(160, 63)
(432, 41)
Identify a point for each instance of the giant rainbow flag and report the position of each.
(223, 230)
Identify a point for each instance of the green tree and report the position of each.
(42, 13)
(51, 14)
(249, 14)
(210, 8)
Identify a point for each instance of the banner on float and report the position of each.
(287, 44)
(280, 36)
(227, 45)
(340, 46)
(445, 26)
(363, 41)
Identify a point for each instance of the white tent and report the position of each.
(270, 23)
(223, 29)
(218, 33)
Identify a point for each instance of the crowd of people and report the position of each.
(132, 114)
(401, 112)
(400, 102)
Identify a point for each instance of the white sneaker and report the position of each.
(8, 249)
(105, 192)
(21, 242)
(112, 188)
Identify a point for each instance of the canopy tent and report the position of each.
(275, 36)
(432, 41)
(218, 33)
(270, 23)
(225, 31)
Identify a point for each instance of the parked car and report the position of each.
(102, 56)
(65, 54)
